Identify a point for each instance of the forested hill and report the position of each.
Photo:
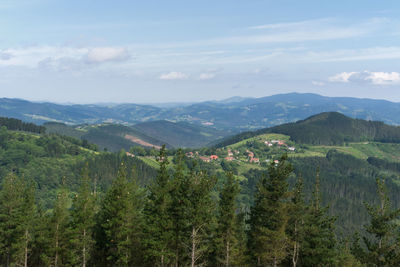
(328, 128)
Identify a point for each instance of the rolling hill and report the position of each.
(328, 128)
(114, 137)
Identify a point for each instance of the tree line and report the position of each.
(15, 124)
(186, 218)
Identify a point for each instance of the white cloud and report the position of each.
(378, 78)
(317, 83)
(105, 54)
(384, 77)
(174, 75)
(206, 76)
(342, 77)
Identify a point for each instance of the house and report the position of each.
(268, 143)
(205, 159)
(229, 158)
(189, 154)
(291, 148)
(254, 160)
(250, 154)
(281, 143)
(230, 154)
(213, 157)
(276, 161)
(130, 154)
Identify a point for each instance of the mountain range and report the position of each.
(233, 115)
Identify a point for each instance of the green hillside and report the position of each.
(180, 134)
(114, 137)
(329, 128)
(50, 160)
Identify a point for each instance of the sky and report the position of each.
(151, 51)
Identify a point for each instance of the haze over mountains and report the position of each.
(232, 115)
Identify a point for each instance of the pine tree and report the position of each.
(121, 221)
(58, 253)
(17, 213)
(295, 228)
(178, 210)
(158, 220)
(201, 214)
(268, 216)
(227, 220)
(319, 245)
(381, 244)
(83, 215)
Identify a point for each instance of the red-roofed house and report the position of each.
(213, 157)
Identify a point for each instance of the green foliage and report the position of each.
(381, 241)
(121, 222)
(319, 242)
(158, 222)
(229, 229)
(17, 213)
(268, 216)
(83, 212)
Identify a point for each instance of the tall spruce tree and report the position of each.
(201, 214)
(295, 228)
(121, 221)
(179, 210)
(268, 215)
(58, 251)
(17, 214)
(158, 219)
(319, 243)
(381, 242)
(227, 221)
(83, 220)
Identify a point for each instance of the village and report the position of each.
(260, 152)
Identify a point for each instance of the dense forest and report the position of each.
(183, 218)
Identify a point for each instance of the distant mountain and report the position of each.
(232, 115)
(328, 128)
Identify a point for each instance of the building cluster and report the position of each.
(279, 143)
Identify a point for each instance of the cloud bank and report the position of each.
(377, 78)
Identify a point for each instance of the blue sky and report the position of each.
(177, 51)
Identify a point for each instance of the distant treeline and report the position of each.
(15, 124)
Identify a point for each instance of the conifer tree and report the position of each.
(268, 216)
(295, 228)
(319, 244)
(381, 243)
(201, 214)
(179, 210)
(158, 220)
(83, 215)
(58, 236)
(121, 221)
(227, 220)
(17, 213)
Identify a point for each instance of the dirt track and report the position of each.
(140, 141)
